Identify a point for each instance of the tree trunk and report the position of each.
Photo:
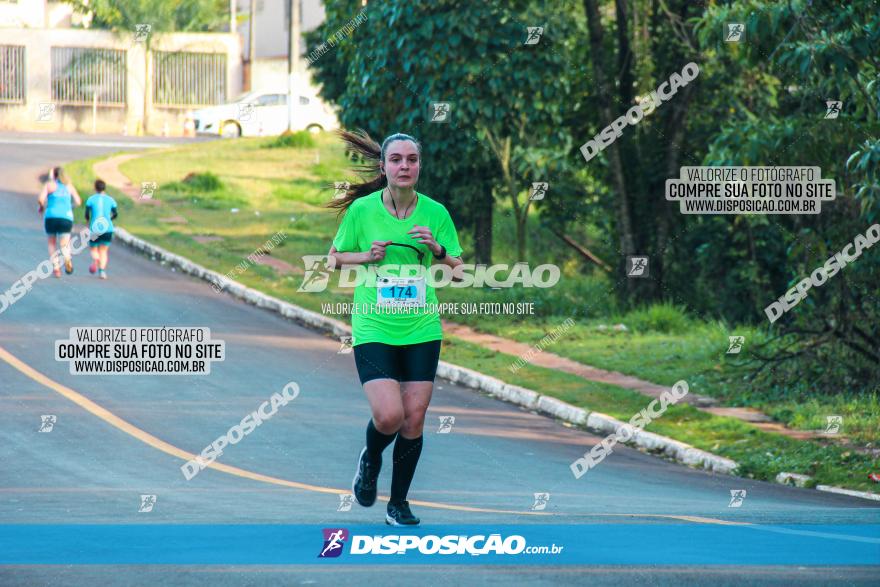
(624, 218)
(675, 129)
(482, 226)
(521, 237)
(625, 56)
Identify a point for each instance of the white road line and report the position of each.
(61, 142)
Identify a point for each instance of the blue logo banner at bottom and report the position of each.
(586, 544)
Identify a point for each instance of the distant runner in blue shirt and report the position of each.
(56, 203)
(100, 212)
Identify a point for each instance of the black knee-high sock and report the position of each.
(406, 457)
(377, 441)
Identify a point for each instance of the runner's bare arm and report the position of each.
(339, 258)
(423, 235)
(43, 197)
(77, 201)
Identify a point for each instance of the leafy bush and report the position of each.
(298, 140)
(202, 182)
(666, 318)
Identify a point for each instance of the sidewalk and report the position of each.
(108, 170)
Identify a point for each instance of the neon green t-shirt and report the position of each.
(367, 220)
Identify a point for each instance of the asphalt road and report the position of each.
(118, 437)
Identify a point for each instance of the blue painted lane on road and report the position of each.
(590, 544)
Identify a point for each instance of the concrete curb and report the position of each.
(236, 289)
(793, 479)
(850, 492)
(593, 421)
(655, 443)
(803, 480)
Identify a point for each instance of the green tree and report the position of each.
(797, 56)
(163, 15)
(507, 98)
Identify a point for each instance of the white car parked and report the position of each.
(262, 113)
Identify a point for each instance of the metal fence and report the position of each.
(80, 73)
(189, 79)
(13, 79)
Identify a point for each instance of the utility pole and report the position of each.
(252, 43)
(292, 59)
(232, 16)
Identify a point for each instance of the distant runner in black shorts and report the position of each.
(56, 202)
(100, 213)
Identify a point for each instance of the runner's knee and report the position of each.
(388, 421)
(412, 426)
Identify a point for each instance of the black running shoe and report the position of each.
(399, 514)
(363, 486)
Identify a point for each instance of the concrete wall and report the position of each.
(38, 43)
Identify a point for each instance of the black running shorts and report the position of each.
(57, 226)
(105, 238)
(409, 362)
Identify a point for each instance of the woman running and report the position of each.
(387, 222)
(100, 213)
(56, 203)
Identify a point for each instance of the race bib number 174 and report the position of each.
(400, 291)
